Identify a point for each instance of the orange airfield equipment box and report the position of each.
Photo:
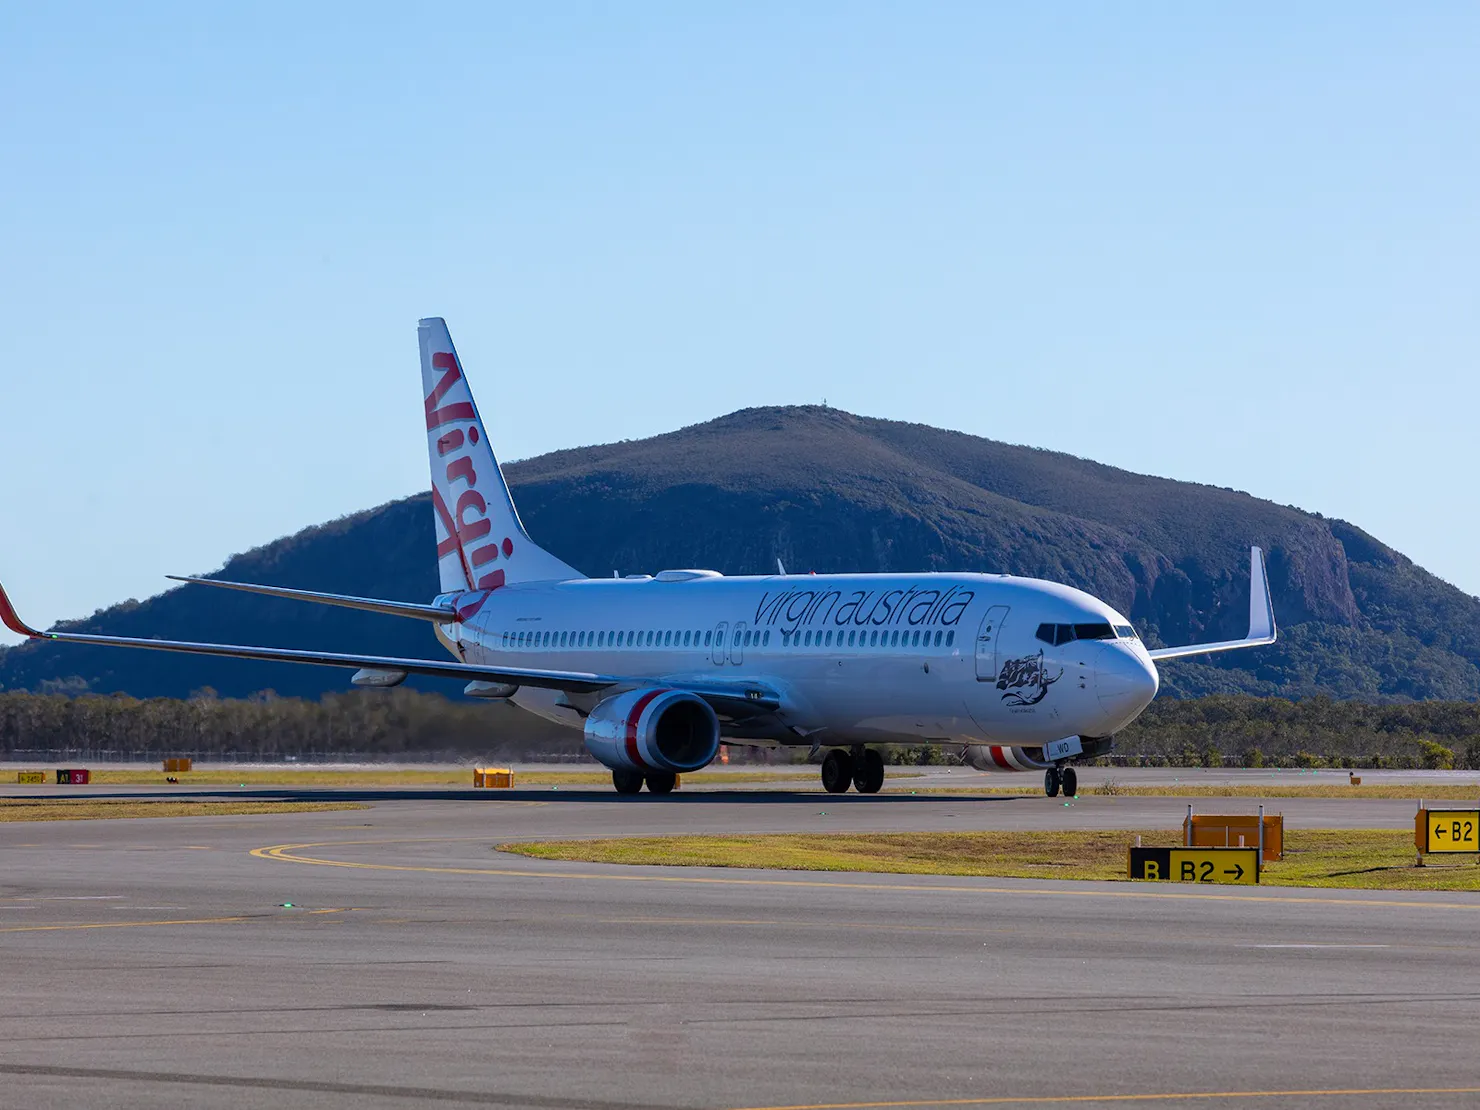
(501, 778)
(1231, 830)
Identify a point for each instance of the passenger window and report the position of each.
(937, 639)
(950, 637)
(873, 638)
(766, 639)
(686, 639)
(807, 639)
(916, 642)
(894, 640)
(708, 638)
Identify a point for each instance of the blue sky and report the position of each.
(1231, 244)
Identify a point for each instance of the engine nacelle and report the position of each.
(997, 757)
(653, 730)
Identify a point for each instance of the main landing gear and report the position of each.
(1061, 778)
(863, 769)
(630, 782)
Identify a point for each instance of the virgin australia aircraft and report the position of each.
(1024, 675)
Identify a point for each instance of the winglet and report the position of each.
(12, 620)
(1261, 618)
(1261, 608)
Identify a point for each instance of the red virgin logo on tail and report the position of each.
(466, 523)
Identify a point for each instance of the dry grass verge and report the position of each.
(1375, 859)
(48, 809)
(1410, 791)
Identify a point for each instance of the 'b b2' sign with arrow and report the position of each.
(1195, 865)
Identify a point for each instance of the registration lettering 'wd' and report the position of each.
(1194, 865)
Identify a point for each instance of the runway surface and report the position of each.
(159, 963)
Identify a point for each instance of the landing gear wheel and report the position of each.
(837, 771)
(868, 772)
(1051, 782)
(1070, 781)
(660, 782)
(627, 782)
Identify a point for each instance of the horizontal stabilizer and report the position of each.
(368, 604)
(1261, 618)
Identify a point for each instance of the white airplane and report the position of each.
(657, 670)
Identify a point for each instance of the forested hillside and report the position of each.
(828, 491)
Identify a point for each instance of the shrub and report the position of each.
(1436, 757)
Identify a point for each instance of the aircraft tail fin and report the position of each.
(481, 543)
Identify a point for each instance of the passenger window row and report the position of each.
(869, 638)
(1065, 633)
(543, 638)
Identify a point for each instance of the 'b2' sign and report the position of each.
(1448, 830)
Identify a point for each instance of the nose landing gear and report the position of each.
(1061, 778)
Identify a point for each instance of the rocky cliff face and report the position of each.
(827, 491)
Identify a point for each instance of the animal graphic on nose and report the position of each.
(1025, 680)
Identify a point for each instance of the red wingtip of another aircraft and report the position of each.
(13, 622)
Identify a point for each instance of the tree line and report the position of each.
(1222, 730)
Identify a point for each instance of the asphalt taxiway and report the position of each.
(389, 956)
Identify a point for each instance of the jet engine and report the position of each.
(648, 729)
(997, 757)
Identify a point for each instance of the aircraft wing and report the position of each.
(731, 700)
(1261, 618)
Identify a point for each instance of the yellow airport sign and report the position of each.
(1195, 865)
(1447, 830)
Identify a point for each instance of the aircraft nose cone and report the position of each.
(1125, 684)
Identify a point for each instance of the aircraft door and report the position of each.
(737, 652)
(986, 643)
(719, 642)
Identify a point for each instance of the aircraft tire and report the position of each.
(837, 771)
(1071, 782)
(660, 782)
(868, 772)
(627, 782)
(1051, 782)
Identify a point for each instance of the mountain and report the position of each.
(828, 491)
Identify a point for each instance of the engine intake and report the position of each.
(653, 730)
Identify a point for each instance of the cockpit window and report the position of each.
(1067, 633)
(1125, 632)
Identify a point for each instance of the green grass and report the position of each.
(1373, 859)
(48, 809)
